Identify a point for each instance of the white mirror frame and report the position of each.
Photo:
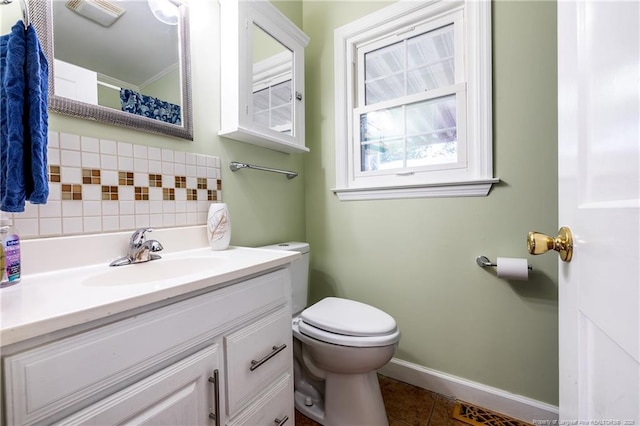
(236, 89)
(41, 16)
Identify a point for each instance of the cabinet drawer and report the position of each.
(275, 403)
(71, 373)
(257, 356)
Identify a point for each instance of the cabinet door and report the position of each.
(181, 394)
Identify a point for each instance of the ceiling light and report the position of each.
(166, 11)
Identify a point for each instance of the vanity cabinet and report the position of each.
(160, 366)
(262, 78)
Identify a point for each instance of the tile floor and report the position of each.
(408, 405)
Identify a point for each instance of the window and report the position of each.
(413, 102)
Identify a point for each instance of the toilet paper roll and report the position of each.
(511, 268)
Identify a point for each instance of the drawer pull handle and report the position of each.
(255, 364)
(279, 422)
(216, 396)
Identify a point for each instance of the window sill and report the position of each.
(476, 188)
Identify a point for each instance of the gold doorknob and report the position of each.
(538, 243)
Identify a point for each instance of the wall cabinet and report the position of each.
(158, 367)
(262, 76)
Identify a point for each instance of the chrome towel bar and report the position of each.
(235, 166)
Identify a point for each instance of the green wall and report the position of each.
(415, 258)
(166, 88)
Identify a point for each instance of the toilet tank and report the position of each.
(299, 273)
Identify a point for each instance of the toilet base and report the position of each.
(350, 399)
(314, 410)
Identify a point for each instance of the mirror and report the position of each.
(117, 63)
(272, 88)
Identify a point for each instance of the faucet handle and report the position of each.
(138, 237)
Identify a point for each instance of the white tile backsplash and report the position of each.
(108, 162)
(108, 147)
(69, 141)
(70, 158)
(125, 149)
(90, 160)
(91, 195)
(88, 144)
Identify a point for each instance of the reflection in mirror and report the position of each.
(272, 88)
(123, 62)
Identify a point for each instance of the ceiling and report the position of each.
(136, 49)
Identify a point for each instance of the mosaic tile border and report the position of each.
(101, 185)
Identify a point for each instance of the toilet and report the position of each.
(338, 346)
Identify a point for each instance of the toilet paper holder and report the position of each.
(484, 262)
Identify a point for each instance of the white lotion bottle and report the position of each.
(218, 226)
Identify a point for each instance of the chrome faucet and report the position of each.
(140, 249)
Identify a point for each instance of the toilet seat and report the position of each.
(348, 323)
(342, 340)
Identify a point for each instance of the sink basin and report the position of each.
(155, 270)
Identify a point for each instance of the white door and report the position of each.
(599, 199)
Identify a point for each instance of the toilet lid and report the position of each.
(349, 318)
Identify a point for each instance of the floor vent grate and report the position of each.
(477, 416)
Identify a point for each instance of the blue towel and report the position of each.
(37, 119)
(12, 188)
(23, 120)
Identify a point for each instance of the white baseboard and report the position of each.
(516, 406)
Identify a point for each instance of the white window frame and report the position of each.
(475, 178)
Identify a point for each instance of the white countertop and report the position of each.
(49, 301)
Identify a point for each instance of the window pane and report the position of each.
(381, 125)
(432, 132)
(422, 151)
(384, 73)
(385, 89)
(431, 115)
(431, 47)
(430, 59)
(382, 155)
(418, 134)
(429, 64)
(385, 61)
(429, 78)
(381, 137)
